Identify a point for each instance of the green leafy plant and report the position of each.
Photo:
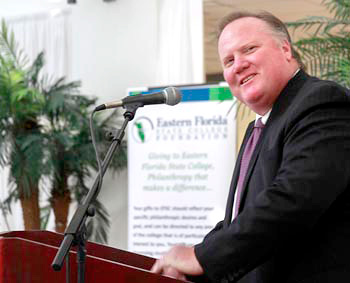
(71, 155)
(326, 48)
(45, 141)
(20, 136)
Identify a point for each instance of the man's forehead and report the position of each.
(242, 31)
(251, 23)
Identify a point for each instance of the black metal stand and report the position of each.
(81, 255)
(75, 233)
(67, 269)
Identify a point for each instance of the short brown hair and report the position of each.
(277, 27)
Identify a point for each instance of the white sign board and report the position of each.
(180, 163)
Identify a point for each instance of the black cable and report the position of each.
(96, 152)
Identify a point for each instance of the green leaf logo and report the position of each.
(143, 130)
(140, 131)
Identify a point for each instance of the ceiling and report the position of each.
(286, 10)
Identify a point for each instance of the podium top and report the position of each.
(93, 249)
(36, 249)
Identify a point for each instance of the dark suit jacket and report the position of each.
(294, 219)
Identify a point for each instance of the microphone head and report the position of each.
(172, 95)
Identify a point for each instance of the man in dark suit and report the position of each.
(288, 211)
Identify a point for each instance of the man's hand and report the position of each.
(180, 260)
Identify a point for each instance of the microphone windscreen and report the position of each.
(172, 95)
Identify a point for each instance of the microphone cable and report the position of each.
(99, 164)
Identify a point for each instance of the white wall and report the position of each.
(112, 48)
(113, 45)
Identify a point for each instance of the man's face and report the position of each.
(257, 64)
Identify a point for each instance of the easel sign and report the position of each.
(180, 162)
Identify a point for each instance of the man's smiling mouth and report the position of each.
(247, 79)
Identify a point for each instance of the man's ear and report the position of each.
(287, 49)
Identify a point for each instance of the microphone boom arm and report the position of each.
(72, 234)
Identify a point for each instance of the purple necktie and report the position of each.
(247, 154)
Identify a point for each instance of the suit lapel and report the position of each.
(283, 101)
(230, 199)
(280, 106)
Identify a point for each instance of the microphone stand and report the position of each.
(75, 233)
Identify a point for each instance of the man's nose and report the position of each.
(240, 65)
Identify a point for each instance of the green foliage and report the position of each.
(44, 132)
(21, 105)
(326, 48)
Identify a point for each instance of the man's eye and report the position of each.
(228, 62)
(251, 48)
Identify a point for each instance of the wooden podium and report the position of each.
(26, 256)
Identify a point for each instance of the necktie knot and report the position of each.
(259, 124)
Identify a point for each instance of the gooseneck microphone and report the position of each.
(169, 96)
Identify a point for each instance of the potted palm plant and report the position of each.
(20, 136)
(44, 132)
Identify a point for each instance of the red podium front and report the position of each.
(26, 256)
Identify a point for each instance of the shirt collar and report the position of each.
(264, 117)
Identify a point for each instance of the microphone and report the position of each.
(170, 96)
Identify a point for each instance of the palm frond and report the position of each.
(5, 211)
(11, 197)
(97, 226)
(340, 8)
(326, 52)
(26, 161)
(34, 69)
(9, 48)
(45, 213)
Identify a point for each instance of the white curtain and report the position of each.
(180, 42)
(49, 32)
